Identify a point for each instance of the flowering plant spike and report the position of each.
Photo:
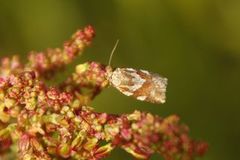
(38, 122)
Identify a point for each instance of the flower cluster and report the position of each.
(43, 123)
(50, 61)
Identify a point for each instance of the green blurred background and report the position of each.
(195, 43)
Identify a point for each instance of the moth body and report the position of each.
(140, 84)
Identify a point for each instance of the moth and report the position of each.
(140, 84)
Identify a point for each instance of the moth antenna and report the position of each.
(113, 50)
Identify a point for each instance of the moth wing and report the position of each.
(140, 84)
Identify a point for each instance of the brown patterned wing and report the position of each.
(140, 84)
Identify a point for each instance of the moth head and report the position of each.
(109, 72)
